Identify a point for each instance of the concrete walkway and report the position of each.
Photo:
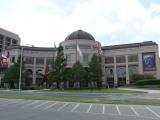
(141, 89)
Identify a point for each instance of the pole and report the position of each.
(20, 72)
(76, 51)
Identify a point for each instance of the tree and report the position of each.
(78, 73)
(12, 74)
(58, 68)
(95, 71)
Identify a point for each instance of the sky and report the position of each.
(43, 22)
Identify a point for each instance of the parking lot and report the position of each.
(53, 108)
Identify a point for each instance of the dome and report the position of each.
(80, 34)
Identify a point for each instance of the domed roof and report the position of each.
(80, 34)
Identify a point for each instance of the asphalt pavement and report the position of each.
(18, 109)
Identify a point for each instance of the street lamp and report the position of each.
(20, 71)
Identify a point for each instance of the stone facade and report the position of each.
(119, 62)
(122, 61)
(7, 39)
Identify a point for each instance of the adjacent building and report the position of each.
(37, 61)
(7, 39)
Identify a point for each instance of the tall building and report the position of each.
(7, 39)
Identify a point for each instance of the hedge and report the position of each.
(148, 82)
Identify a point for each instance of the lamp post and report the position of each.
(20, 71)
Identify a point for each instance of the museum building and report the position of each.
(118, 62)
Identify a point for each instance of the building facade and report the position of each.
(123, 61)
(7, 39)
(118, 62)
(37, 61)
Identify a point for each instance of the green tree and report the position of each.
(58, 68)
(12, 74)
(95, 71)
(78, 73)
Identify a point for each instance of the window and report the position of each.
(70, 47)
(68, 56)
(84, 46)
(133, 70)
(29, 60)
(39, 61)
(133, 58)
(14, 41)
(120, 59)
(49, 60)
(85, 57)
(109, 60)
(13, 59)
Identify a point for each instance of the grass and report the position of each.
(84, 100)
(114, 90)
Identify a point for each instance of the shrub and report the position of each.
(137, 77)
(148, 82)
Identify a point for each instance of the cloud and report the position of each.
(41, 22)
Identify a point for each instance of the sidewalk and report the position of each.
(141, 89)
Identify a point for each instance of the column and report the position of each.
(104, 83)
(127, 73)
(34, 72)
(3, 43)
(115, 73)
(140, 63)
(157, 65)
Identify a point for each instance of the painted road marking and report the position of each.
(50, 106)
(32, 103)
(75, 107)
(62, 106)
(135, 112)
(103, 111)
(89, 108)
(118, 110)
(153, 112)
(40, 105)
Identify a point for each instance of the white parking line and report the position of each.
(62, 106)
(153, 112)
(50, 106)
(103, 109)
(89, 108)
(40, 105)
(29, 104)
(76, 106)
(135, 112)
(118, 109)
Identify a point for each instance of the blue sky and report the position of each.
(41, 22)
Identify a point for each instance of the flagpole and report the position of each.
(76, 51)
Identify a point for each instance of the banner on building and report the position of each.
(149, 62)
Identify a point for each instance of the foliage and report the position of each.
(12, 74)
(78, 72)
(148, 82)
(58, 67)
(136, 77)
(95, 71)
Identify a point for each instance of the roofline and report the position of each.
(132, 45)
(51, 49)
